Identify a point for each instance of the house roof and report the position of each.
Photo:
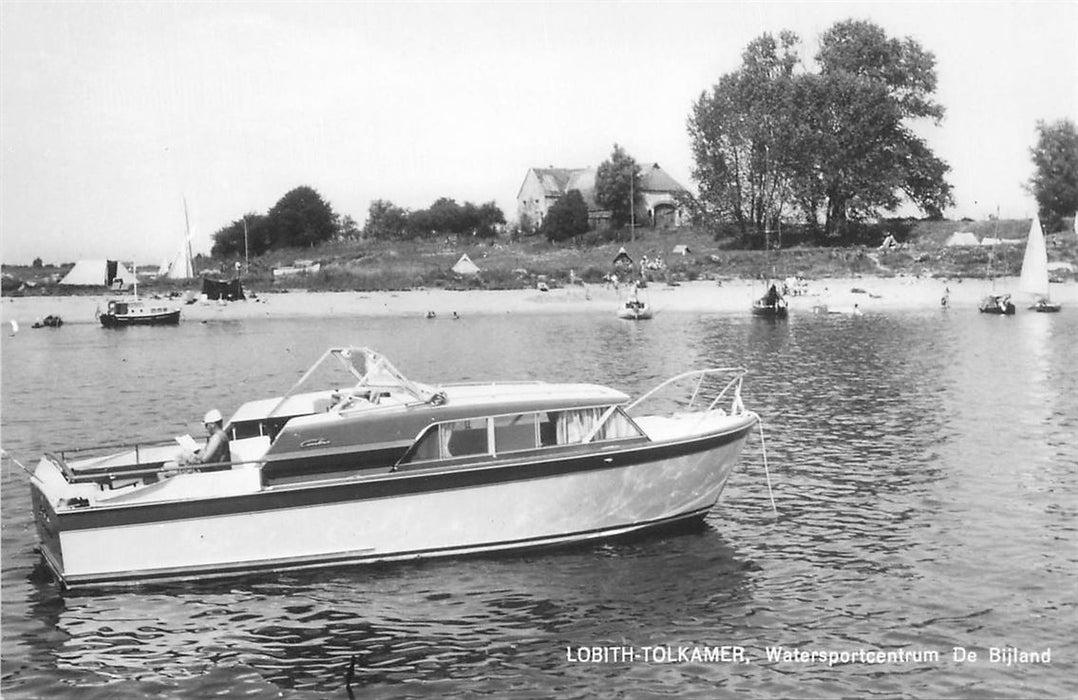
(557, 181)
(655, 179)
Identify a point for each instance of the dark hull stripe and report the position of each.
(133, 578)
(402, 483)
(165, 319)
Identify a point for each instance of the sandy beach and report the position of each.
(871, 295)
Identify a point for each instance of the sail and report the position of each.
(180, 267)
(1034, 279)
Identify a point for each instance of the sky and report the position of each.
(125, 124)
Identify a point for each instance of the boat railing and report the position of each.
(701, 380)
(375, 372)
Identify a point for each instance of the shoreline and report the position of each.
(733, 296)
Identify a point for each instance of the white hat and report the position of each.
(212, 416)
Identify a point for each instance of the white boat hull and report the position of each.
(480, 509)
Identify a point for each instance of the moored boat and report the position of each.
(634, 308)
(138, 312)
(771, 305)
(387, 469)
(1034, 277)
(997, 304)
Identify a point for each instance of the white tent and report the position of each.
(681, 250)
(180, 267)
(94, 273)
(465, 266)
(962, 238)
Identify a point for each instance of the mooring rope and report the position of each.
(18, 464)
(767, 472)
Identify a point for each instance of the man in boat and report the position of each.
(216, 448)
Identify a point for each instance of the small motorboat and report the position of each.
(997, 304)
(138, 312)
(387, 468)
(50, 321)
(770, 305)
(634, 308)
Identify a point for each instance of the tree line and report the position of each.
(302, 219)
(774, 142)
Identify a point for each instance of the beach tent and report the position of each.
(465, 266)
(962, 238)
(96, 273)
(219, 289)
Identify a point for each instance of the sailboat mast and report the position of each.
(189, 262)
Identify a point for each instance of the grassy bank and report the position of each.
(377, 265)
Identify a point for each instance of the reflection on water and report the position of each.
(923, 467)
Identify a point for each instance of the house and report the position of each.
(544, 186)
(660, 193)
(657, 206)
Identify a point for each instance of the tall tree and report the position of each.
(837, 140)
(740, 139)
(1055, 180)
(617, 186)
(567, 217)
(301, 218)
(873, 87)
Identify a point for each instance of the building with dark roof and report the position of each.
(658, 205)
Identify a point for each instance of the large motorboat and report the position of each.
(390, 469)
(138, 312)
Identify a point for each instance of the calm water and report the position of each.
(925, 469)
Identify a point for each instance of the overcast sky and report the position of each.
(113, 114)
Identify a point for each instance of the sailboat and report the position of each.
(1034, 278)
(181, 265)
(770, 305)
(996, 303)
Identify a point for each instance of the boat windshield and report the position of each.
(371, 370)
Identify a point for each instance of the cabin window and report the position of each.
(460, 438)
(618, 426)
(464, 437)
(572, 427)
(515, 433)
(241, 431)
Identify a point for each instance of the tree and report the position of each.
(1055, 181)
(385, 221)
(301, 218)
(614, 181)
(489, 217)
(247, 234)
(836, 141)
(347, 228)
(741, 139)
(872, 87)
(567, 217)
